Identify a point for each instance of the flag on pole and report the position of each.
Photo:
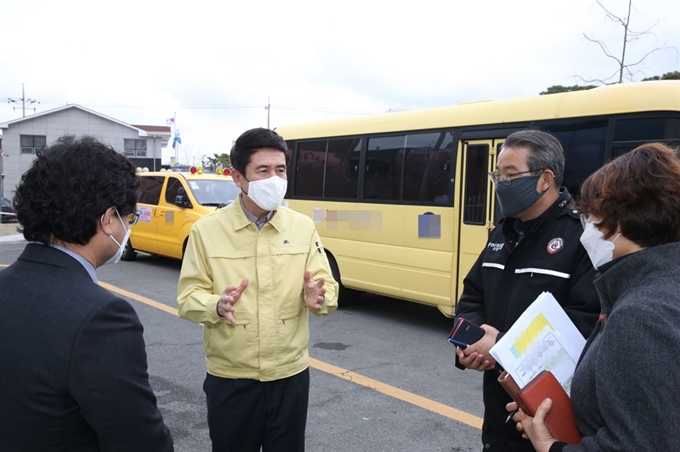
(178, 139)
(170, 121)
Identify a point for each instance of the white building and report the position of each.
(23, 137)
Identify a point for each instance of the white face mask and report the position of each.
(600, 251)
(267, 193)
(121, 246)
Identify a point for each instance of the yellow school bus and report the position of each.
(403, 201)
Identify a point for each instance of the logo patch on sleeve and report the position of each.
(555, 245)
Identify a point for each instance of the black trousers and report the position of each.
(244, 415)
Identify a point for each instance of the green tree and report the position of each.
(675, 75)
(217, 161)
(563, 89)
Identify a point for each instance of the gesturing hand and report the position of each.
(314, 291)
(230, 295)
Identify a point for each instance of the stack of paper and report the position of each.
(543, 338)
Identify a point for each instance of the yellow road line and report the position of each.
(422, 402)
(140, 298)
(392, 391)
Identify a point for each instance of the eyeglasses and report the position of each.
(505, 179)
(584, 219)
(133, 218)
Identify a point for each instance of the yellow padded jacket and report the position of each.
(270, 339)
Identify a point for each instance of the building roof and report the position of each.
(141, 129)
(154, 128)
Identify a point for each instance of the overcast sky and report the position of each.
(214, 64)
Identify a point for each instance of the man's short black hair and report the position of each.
(545, 151)
(252, 140)
(69, 186)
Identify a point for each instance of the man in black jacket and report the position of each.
(535, 248)
(73, 370)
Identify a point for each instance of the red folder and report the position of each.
(560, 420)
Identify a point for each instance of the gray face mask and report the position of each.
(519, 195)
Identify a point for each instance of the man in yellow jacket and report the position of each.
(250, 274)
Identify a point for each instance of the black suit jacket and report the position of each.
(73, 369)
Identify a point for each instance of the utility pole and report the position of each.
(23, 101)
(268, 108)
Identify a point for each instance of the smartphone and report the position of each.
(465, 333)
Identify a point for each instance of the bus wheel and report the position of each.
(129, 252)
(346, 297)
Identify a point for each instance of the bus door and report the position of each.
(478, 203)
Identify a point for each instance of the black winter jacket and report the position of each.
(521, 260)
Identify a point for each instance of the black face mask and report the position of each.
(519, 195)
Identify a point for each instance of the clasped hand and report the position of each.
(477, 356)
(533, 428)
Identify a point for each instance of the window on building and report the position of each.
(30, 144)
(135, 148)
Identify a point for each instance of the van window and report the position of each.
(214, 192)
(150, 189)
(172, 190)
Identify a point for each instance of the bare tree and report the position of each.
(624, 69)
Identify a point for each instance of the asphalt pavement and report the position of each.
(382, 374)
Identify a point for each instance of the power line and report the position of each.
(220, 107)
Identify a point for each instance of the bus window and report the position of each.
(631, 133)
(584, 145)
(620, 149)
(290, 144)
(646, 129)
(476, 183)
(382, 177)
(342, 168)
(413, 167)
(497, 215)
(311, 162)
(427, 163)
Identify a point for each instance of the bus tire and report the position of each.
(346, 297)
(129, 252)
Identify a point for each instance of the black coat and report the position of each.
(73, 370)
(512, 270)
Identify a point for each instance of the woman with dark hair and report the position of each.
(625, 389)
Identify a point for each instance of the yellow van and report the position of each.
(169, 204)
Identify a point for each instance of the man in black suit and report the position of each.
(73, 370)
